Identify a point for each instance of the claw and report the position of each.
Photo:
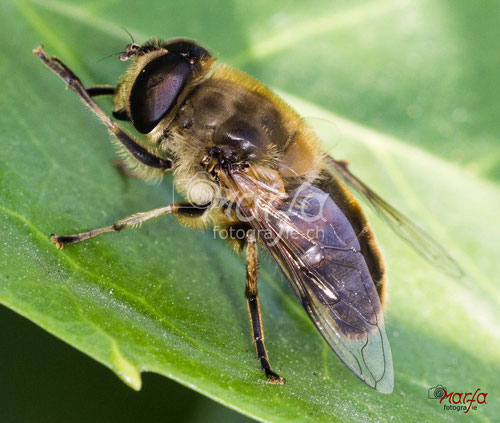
(274, 378)
(55, 240)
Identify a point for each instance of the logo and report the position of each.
(436, 392)
(457, 401)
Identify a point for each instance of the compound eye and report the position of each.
(156, 90)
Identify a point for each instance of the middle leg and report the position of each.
(186, 210)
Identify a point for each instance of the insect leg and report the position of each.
(251, 294)
(100, 90)
(138, 152)
(179, 209)
(103, 90)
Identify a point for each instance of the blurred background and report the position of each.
(424, 73)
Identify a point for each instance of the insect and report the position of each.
(255, 171)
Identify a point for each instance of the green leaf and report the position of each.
(418, 82)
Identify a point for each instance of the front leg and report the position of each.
(100, 90)
(186, 210)
(137, 151)
(251, 293)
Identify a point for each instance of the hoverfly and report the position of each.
(247, 161)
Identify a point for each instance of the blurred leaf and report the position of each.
(169, 300)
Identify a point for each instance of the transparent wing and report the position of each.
(317, 249)
(416, 237)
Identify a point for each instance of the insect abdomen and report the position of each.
(352, 210)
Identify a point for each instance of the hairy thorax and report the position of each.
(233, 111)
